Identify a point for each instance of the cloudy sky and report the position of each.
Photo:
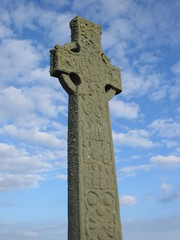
(142, 37)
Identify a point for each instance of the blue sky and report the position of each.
(142, 38)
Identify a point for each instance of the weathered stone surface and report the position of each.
(86, 74)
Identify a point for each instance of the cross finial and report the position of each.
(86, 34)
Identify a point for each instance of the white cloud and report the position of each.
(127, 200)
(176, 68)
(21, 169)
(174, 90)
(170, 143)
(5, 32)
(88, 6)
(62, 177)
(121, 109)
(160, 93)
(34, 230)
(4, 17)
(139, 84)
(56, 3)
(5, 21)
(40, 76)
(166, 187)
(31, 108)
(166, 161)
(49, 23)
(29, 234)
(178, 110)
(177, 150)
(133, 138)
(148, 57)
(19, 58)
(37, 137)
(61, 130)
(167, 128)
(119, 28)
(45, 100)
(170, 197)
(20, 161)
(21, 14)
(37, 74)
(14, 104)
(148, 196)
(5, 223)
(131, 171)
(9, 182)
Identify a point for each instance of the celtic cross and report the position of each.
(91, 81)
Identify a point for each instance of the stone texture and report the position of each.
(87, 76)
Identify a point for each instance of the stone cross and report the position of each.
(91, 81)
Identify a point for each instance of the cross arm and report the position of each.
(63, 66)
(113, 81)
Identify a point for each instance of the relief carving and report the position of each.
(100, 217)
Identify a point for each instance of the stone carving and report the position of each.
(86, 74)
